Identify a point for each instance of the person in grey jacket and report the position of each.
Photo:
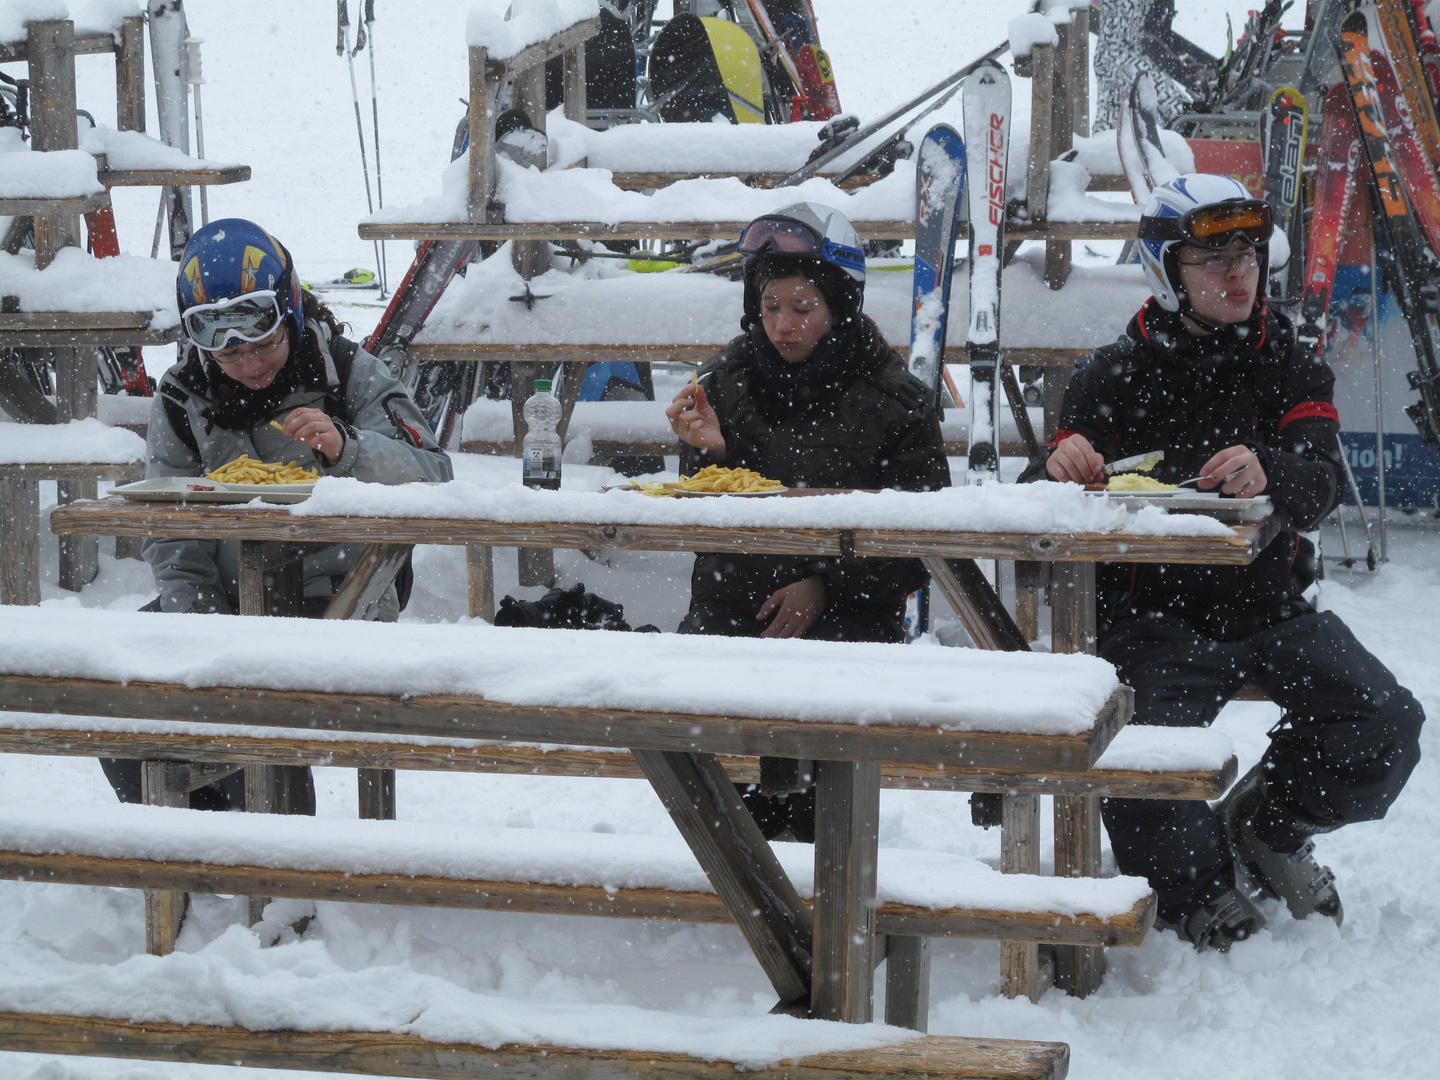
(268, 373)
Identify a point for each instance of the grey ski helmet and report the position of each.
(1184, 211)
(818, 238)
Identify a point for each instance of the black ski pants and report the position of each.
(1344, 749)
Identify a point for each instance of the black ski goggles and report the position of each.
(1215, 227)
(241, 320)
(786, 236)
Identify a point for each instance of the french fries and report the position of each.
(246, 470)
(713, 479)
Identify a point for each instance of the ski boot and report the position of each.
(1260, 834)
(1229, 918)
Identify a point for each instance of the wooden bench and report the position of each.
(932, 1057)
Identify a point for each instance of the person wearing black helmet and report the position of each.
(810, 395)
(1209, 374)
(268, 373)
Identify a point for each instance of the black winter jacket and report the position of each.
(873, 428)
(1160, 388)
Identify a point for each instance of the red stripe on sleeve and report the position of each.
(1060, 436)
(1307, 409)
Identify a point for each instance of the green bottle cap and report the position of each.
(542, 386)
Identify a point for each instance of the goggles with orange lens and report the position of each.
(1215, 227)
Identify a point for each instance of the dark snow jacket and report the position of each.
(1160, 388)
(201, 420)
(870, 427)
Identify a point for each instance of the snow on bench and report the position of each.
(56, 174)
(926, 893)
(1140, 762)
(893, 703)
(78, 282)
(700, 309)
(78, 441)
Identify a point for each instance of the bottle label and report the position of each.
(542, 468)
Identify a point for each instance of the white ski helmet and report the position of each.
(1176, 216)
(822, 233)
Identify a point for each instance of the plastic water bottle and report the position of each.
(541, 448)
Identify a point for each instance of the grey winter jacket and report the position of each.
(387, 441)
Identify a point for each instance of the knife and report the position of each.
(1138, 463)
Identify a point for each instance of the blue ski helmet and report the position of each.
(1166, 226)
(233, 257)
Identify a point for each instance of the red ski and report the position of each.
(1334, 187)
(1407, 78)
(1416, 174)
(105, 244)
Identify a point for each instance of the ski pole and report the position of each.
(375, 123)
(1359, 505)
(196, 79)
(342, 47)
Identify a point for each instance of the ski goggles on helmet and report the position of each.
(786, 236)
(242, 319)
(1215, 227)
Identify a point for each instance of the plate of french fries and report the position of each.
(709, 481)
(236, 481)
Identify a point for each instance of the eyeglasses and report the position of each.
(1215, 227)
(235, 355)
(248, 318)
(1223, 264)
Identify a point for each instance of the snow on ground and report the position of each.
(1303, 999)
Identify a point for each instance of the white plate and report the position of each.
(199, 490)
(711, 494)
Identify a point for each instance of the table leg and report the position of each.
(976, 603)
(19, 541)
(907, 982)
(480, 576)
(737, 859)
(359, 595)
(847, 824)
(1078, 968)
(75, 399)
(1020, 854)
(377, 793)
(164, 783)
(79, 555)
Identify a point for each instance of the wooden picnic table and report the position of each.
(268, 535)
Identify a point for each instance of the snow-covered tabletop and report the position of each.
(56, 174)
(808, 681)
(506, 27)
(701, 309)
(87, 441)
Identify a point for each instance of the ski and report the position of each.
(987, 125)
(1429, 48)
(1409, 77)
(1286, 127)
(1416, 174)
(1409, 265)
(1334, 186)
(939, 181)
(125, 361)
(168, 31)
(1142, 158)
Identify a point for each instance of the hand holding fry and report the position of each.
(693, 418)
(315, 429)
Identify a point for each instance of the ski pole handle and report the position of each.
(194, 74)
(342, 19)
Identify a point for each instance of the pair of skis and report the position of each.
(943, 173)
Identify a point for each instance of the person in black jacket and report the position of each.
(1209, 374)
(812, 396)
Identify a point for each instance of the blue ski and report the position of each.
(939, 181)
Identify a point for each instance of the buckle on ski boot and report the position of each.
(1229, 918)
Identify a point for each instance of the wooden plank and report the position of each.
(74, 320)
(1020, 854)
(537, 54)
(907, 982)
(466, 717)
(73, 470)
(19, 541)
(20, 398)
(164, 783)
(583, 761)
(95, 44)
(847, 824)
(114, 516)
(76, 399)
(1042, 87)
(76, 204)
(481, 167)
(480, 581)
(89, 339)
(552, 353)
(574, 84)
(1080, 65)
(198, 176)
(377, 794)
(130, 75)
(365, 586)
(644, 181)
(384, 1053)
(737, 859)
(706, 230)
(50, 49)
(974, 600)
(666, 905)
